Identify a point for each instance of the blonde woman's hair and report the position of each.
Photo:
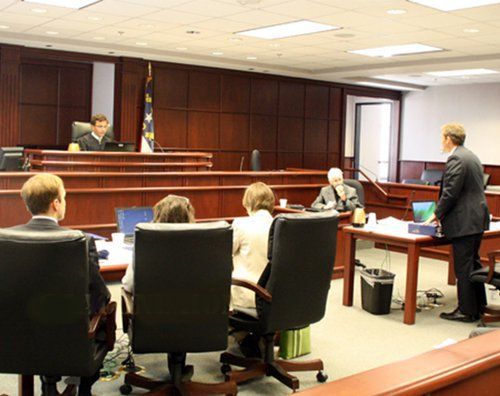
(258, 196)
(455, 131)
(39, 191)
(173, 209)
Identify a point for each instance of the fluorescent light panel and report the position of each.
(459, 73)
(289, 29)
(76, 4)
(381, 83)
(452, 5)
(392, 50)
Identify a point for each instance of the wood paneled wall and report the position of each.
(413, 170)
(292, 122)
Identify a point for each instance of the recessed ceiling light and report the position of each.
(452, 5)
(141, 43)
(470, 30)
(181, 48)
(289, 29)
(99, 38)
(251, 57)
(39, 10)
(76, 4)
(94, 18)
(461, 73)
(192, 32)
(52, 33)
(392, 50)
(4, 27)
(396, 12)
(217, 53)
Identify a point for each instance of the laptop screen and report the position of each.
(119, 146)
(422, 210)
(127, 218)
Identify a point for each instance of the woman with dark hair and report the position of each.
(171, 209)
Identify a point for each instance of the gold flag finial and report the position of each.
(149, 69)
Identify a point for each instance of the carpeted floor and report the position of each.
(348, 339)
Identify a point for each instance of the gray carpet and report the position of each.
(348, 339)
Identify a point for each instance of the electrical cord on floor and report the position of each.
(112, 361)
(426, 299)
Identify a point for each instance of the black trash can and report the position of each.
(376, 290)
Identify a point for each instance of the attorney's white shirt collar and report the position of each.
(45, 217)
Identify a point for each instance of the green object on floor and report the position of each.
(294, 343)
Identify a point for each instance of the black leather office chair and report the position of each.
(433, 176)
(79, 128)
(489, 275)
(46, 328)
(291, 294)
(416, 181)
(360, 191)
(182, 280)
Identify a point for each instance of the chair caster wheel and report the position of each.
(321, 376)
(125, 389)
(225, 368)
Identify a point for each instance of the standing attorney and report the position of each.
(96, 139)
(463, 213)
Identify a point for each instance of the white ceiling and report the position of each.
(157, 30)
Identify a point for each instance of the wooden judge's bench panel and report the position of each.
(93, 196)
(105, 161)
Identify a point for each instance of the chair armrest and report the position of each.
(259, 290)
(491, 263)
(127, 309)
(106, 315)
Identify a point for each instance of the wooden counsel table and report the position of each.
(409, 242)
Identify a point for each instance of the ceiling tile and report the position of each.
(437, 20)
(30, 20)
(115, 7)
(259, 18)
(300, 9)
(173, 16)
(95, 18)
(20, 7)
(210, 8)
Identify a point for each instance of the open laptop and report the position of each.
(119, 146)
(128, 218)
(422, 210)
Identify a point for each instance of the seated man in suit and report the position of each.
(337, 195)
(44, 197)
(95, 140)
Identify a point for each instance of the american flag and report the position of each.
(148, 126)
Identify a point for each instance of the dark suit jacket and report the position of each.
(327, 194)
(88, 142)
(462, 207)
(99, 293)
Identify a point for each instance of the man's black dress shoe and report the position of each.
(458, 316)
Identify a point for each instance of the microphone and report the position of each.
(241, 163)
(407, 207)
(159, 146)
(340, 189)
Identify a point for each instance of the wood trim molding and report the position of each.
(10, 58)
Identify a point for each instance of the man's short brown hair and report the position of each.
(173, 209)
(455, 131)
(258, 196)
(40, 191)
(98, 117)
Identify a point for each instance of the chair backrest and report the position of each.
(433, 176)
(301, 255)
(44, 303)
(79, 128)
(182, 281)
(255, 161)
(360, 191)
(416, 181)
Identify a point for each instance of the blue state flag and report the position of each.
(148, 126)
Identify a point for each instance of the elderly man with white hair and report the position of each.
(337, 195)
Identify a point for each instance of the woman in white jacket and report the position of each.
(250, 241)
